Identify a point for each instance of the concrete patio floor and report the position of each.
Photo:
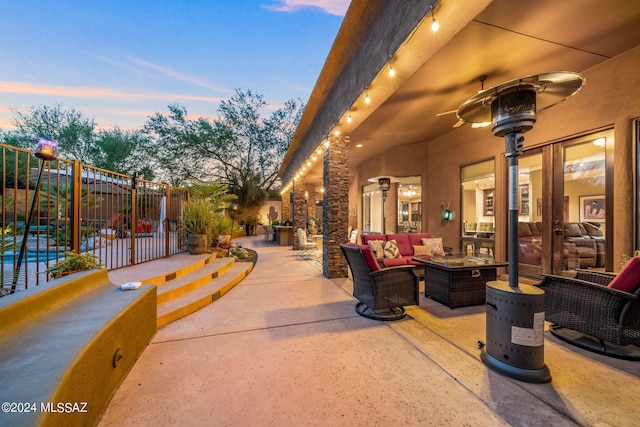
(285, 347)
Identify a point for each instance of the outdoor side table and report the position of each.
(458, 281)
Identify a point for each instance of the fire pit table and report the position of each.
(456, 280)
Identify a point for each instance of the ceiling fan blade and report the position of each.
(446, 112)
(458, 123)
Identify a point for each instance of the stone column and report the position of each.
(335, 215)
(310, 197)
(299, 210)
(286, 206)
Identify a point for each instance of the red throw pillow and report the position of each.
(369, 257)
(628, 279)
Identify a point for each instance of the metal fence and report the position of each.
(76, 207)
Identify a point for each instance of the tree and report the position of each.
(240, 148)
(73, 132)
(124, 152)
(179, 146)
(255, 147)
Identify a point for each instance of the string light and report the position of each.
(434, 24)
(349, 118)
(392, 72)
(367, 100)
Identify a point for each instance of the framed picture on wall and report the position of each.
(592, 208)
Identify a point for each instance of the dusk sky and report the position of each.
(120, 61)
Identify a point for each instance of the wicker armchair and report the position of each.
(588, 314)
(382, 292)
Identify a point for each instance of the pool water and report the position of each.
(29, 256)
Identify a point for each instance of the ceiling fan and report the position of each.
(460, 122)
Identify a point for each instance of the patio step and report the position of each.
(199, 289)
(185, 283)
(180, 285)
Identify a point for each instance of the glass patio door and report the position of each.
(563, 215)
(581, 241)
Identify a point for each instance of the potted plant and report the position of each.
(73, 263)
(250, 223)
(197, 218)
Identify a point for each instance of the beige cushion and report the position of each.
(435, 245)
(377, 246)
(391, 249)
(419, 250)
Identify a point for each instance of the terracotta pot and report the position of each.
(66, 273)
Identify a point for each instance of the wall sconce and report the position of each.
(447, 213)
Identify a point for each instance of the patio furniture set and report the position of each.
(596, 311)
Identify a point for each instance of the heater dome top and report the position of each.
(551, 88)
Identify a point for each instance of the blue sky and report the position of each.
(119, 61)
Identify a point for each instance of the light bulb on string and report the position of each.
(434, 24)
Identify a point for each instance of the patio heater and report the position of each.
(47, 149)
(384, 184)
(515, 313)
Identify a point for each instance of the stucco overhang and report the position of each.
(436, 72)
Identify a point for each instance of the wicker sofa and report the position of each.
(405, 243)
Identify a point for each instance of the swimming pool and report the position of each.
(29, 256)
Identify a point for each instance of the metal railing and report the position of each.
(77, 207)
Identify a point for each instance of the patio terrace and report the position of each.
(285, 347)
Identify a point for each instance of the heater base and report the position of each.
(537, 376)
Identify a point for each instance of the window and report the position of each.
(410, 205)
(478, 207)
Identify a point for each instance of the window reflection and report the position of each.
(406, 192)
(478, 208)
(410, 205)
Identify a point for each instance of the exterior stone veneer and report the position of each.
(299, 210)
(335, 212)
(286, 207)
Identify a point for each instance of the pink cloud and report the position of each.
(96, 93)
(333, 7)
